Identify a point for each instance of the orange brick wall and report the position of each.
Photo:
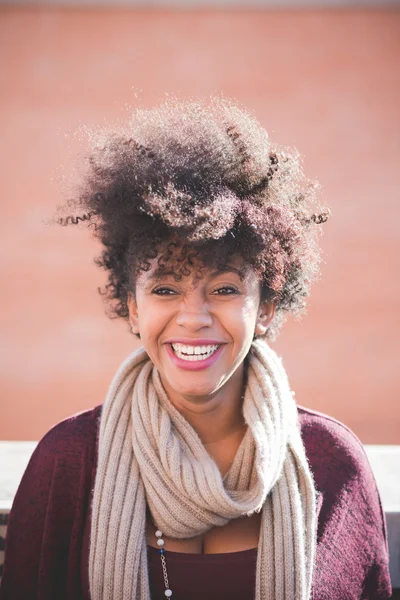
(327, 82)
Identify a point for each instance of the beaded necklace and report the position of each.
(161, 551)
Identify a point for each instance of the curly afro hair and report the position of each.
(200, 179)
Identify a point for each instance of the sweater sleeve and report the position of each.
(46, 521)
(353, 560)
(362, 541)
(377, 584)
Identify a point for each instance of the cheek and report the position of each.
(153, 317)
(240, 320)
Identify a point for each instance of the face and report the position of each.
(197, 332)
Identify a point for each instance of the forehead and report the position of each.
(193, 268)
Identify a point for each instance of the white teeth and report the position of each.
(194, 353)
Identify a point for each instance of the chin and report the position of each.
(197, 392)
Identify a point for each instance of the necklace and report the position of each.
(161, 551)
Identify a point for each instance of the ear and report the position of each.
(266, 313)
(133, 313)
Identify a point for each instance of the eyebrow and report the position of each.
(160, 273)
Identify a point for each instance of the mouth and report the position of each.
(193, 353)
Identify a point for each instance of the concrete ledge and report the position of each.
(384, 460)
(385, 463)
(14, 458)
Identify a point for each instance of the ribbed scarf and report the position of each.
(149, 453)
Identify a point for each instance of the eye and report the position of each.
(163, 291)
(226, 290)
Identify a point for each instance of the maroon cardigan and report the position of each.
(47, 542)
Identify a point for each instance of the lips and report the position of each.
(193, 357)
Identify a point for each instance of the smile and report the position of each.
(193, 353)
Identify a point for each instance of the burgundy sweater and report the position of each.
(48, 535)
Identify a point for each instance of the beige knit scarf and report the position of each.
(149, 452)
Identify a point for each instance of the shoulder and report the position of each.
(66, 451)
(45, 524)
(59, 472)
(352, 535)
(341, 470)
(330, 444)
(73, 435)
(344, 478)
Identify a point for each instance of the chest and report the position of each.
(239, 534)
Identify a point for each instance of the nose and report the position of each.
(194, 314)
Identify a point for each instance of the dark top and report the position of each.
(47, 543)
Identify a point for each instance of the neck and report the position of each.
(215, 417)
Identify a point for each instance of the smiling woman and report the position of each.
(199, 476)
(198, 331)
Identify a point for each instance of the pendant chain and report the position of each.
(161, 551)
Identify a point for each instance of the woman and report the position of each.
(199, 476)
